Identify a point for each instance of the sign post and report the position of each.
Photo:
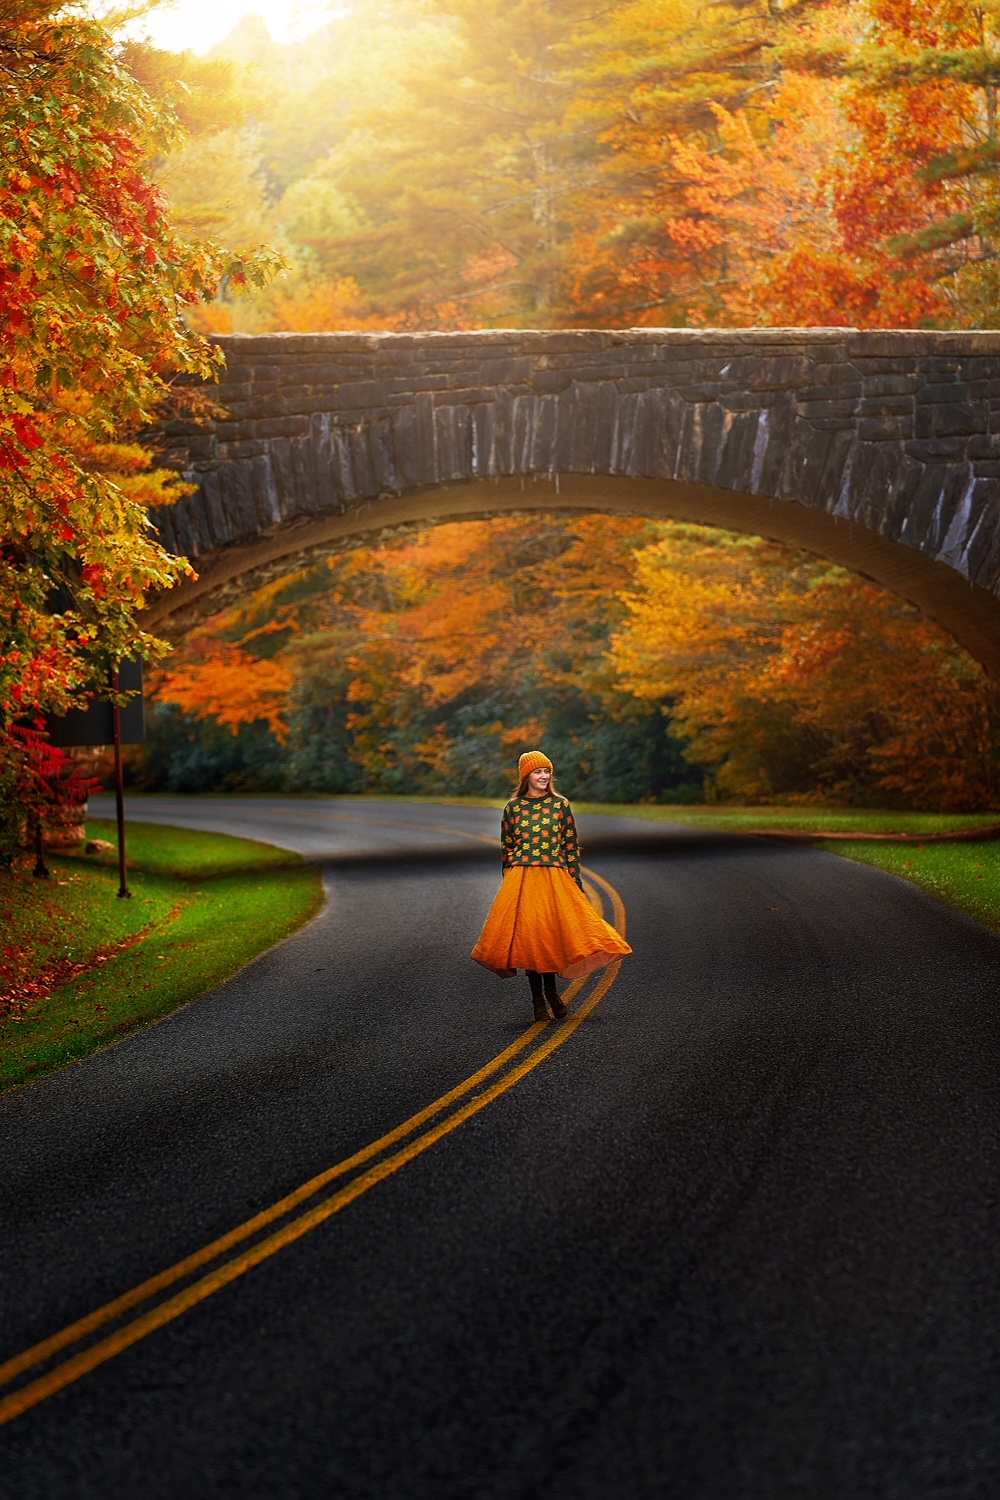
(102, 722)
(116, 726)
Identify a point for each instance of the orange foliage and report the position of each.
(723, 207)
(464, 610)
(857, 187)
(476, 607)
(884, 195)
(652, 162)
(316, 306)
(230, 686)
(788, 678)
(792, 677)
(757, 200)
(322, 305)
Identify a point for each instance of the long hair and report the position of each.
(521, 790)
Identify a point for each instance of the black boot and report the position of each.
(537, 1000)
(552, 996)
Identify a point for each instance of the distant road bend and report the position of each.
(351, 1226)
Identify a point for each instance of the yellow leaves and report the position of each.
(701, 599)
(793, 678)
(337, 303)
(11, 401)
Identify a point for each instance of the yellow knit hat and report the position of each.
(531, 760)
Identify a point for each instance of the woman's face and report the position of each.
(538, 781)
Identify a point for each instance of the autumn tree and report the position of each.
(747, 197)
(465, 173)
(93, 279)
(906, 187)
(681, 101)
(916, 196)
(791, 678)
(407, 670)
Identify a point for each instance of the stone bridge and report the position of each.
(879, 451)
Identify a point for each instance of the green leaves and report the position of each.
(935, 236)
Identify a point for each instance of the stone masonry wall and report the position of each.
(899, 432)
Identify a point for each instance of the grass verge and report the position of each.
(799, 819)
(81, 969)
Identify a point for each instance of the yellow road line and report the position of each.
(64, 1374)
(617, 904)
(123, 1338)
(111, 1310)
(72, 1334)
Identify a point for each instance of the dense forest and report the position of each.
(655, 661)
(422, 164)
(450, 163)
(444, 164)
(447, 164)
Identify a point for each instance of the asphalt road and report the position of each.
(735, 1239)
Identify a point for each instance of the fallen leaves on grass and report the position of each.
(16, 999)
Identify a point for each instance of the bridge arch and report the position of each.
(878, 451)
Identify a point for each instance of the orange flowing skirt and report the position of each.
(540, 919)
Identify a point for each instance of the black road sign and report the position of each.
(94, 725)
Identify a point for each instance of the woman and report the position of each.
(540, 920)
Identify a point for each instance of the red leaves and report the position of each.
(93, 281)
(23, 982)
(27, 433)
(95, 577)
(50, 782)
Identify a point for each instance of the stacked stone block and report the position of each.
(898, 431)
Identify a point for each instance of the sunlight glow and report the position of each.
(199, 25)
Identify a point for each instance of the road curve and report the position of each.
(733, 1239)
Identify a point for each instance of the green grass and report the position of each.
(86, 968)
(158, 849)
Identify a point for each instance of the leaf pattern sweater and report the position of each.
(540, 831)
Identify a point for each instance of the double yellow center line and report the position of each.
(369, 1166)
